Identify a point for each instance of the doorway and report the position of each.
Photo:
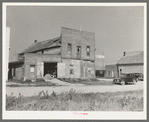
(50, 68)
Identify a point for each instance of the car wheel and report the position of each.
(122, 82)
(113, 82)
(134, 81)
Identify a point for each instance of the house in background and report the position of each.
(111, 71)
(71, 55)
(130, 62)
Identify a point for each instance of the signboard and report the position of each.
(61, 70)
(99, 56)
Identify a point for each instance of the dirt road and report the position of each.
(29, 91)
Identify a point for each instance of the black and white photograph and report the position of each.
(74, 61)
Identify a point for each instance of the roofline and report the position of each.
(42, 54)
(130, 64)
(79, 30)
(111, 65)
(14, 62)
(56, 38)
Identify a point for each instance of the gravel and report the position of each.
(30, 91)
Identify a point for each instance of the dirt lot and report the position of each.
(30, 91)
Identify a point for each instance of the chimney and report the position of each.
(35, 41)
(124, 54)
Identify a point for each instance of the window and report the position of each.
(78, 54)
(108, 73)
(88, 51)
(71, 71)
(69, 49)
(120, 71)
(32, 68)
(78, 49)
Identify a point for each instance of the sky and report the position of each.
(117, 29)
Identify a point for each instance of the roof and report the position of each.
(111, 65)
(131, 58)
(16, 62)
(42, 45)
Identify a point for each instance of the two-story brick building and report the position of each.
(71, 55)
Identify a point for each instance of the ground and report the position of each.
(29, 91)
(76, 97)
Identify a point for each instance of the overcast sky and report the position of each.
(117, 29)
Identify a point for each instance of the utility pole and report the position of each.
(80, 27)
(103, 57)
(14, 56)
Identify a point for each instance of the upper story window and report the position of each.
(71, 71)
(78, 49)
(69, 49)
(88, 51)
(79, 52)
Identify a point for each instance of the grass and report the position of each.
(72, 101)
(87, 81)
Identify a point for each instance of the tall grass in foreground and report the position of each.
(72, 101)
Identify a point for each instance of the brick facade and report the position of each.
(33, 58)
(81, 69)
(83, 64)
(69, 65)
(78, 38)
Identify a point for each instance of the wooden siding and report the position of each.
(131, 68)
(109, 69)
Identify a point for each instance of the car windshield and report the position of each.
(129, 75)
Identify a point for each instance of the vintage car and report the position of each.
(126, 78)
(139, 76)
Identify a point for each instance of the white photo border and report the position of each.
(104, 115)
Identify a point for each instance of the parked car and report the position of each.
(139, 76)
(126, 78)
